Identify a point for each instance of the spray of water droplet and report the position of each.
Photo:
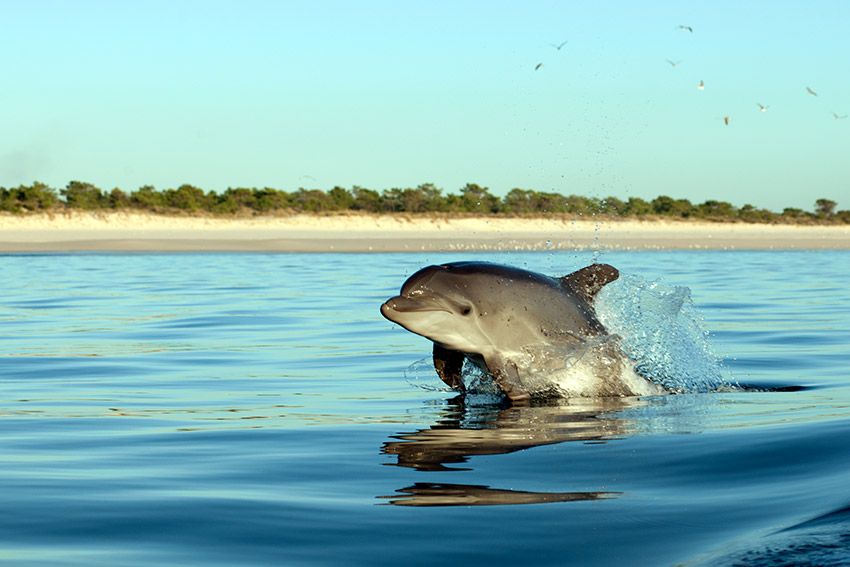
(597, 228)
(662, 332)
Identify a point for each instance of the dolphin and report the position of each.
(535, 335)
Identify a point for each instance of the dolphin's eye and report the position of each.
(466, 310)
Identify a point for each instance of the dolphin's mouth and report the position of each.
(402, 304)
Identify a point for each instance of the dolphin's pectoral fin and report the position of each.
(449, 366)
(587, 282)
(506, 375)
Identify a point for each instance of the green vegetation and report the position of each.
(471, 199)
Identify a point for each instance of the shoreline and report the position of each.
(140, 232)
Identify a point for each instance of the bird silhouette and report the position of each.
(839, 116)
(673, 63)
(727, 120)
(811, 91)
(701, 85)
(538, 66)
(686, 28)
(559, 45)
(762, 108)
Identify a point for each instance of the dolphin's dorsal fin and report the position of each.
(587, 282)
(449, 366)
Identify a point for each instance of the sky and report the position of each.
(386, 94)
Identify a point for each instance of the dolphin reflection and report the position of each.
(436, 494)
(464, 431)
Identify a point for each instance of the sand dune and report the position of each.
(357, 233)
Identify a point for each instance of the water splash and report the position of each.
(476, 380)
(590, 368)
(662, 332)
(480, 387)
(421, 374)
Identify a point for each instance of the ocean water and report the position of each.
(256, 409)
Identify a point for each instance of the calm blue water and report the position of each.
(246, 409)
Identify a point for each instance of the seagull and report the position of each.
(811, 91)
(726, 120)
(701, 85)
(558, 46)
(538, 66)
(686, 28)
(762, 108)
(673, 63)
(839, 116)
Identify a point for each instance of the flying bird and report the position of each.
(673, 63)
(686, 28)
(559, 45)
(762, 108)
(701, 85)
(538, 66)
(811, 91)
(726, 120)
(839, 116)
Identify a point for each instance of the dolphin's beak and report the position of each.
(402, 304)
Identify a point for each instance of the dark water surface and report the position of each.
(255, 409)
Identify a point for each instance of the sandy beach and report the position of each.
(363, 233)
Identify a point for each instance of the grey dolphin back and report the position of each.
(587, 282)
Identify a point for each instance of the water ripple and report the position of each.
(243, 408)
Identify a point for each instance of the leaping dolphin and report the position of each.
(534, 334)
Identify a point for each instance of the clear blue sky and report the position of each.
(393, 94)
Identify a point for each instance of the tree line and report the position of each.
(425, 198)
